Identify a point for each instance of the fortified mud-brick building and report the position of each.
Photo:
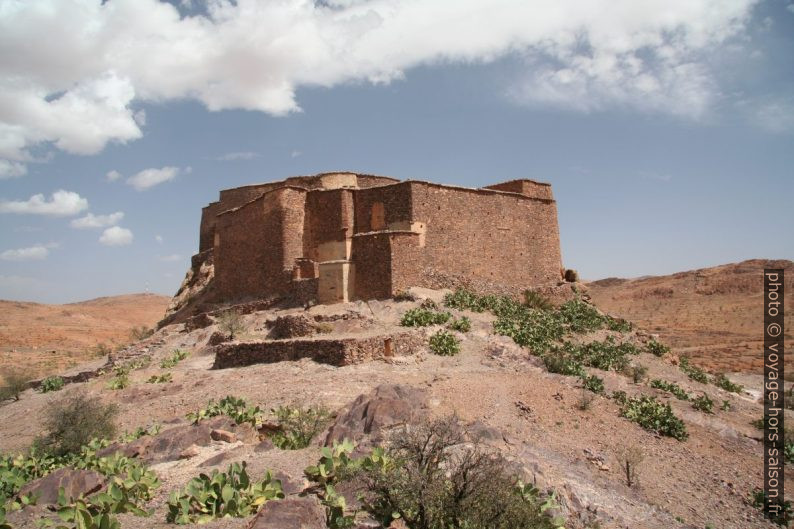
(344, 236)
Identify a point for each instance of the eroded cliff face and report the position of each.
(194, 292)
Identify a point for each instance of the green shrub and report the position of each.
(220, 495)
(581, 316)
(461, 325)
(637, 373)
(703, 403)
(593, 383)
(121, 379)
(726, 405)
(52, 383)
(231, 323)
(160, 379)
(606, 355)
(620, 397)
(232, 407)
(139, 432)
(15, 381)
(656, 348)
(693, 372)
(431, 480)
(654, 416)
(535, 300)
(558, 362)
(73, 421)
(420, 317)
(298, 426)
(176, 356)
(444, 343)
(724, 382)
(670, 387)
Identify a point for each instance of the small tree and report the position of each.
(140, 333)
(14, 382)
(231, 323)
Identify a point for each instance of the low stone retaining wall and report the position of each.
(334, 351)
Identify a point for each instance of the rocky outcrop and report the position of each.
(290, 513)
(370, 415)
(75, 483)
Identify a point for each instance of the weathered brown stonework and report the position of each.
(343, 236)
(334, 351)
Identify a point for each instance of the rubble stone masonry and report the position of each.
(342, 236)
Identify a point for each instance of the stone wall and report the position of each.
(338, 351)
(258, 244)
(492, 237)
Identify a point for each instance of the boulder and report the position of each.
(217, 338)
(223, 436)
(290, 513)
(173, 444)
(388, 405)
(74, 482)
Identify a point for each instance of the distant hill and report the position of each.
(714, 315)
(45, 338)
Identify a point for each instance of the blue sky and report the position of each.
(667, 132)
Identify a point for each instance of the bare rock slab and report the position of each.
(74, 482)
(290, 513)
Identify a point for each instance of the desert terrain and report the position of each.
(713, 315)
(45, 339)
(536, 419)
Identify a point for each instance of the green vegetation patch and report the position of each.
(654, 416)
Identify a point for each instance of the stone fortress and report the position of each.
(342, 236)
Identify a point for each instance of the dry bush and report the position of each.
(231, 323)
(15, 381)
(74, 421)
(629, 459)
(438, 482)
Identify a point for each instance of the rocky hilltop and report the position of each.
(602, 425)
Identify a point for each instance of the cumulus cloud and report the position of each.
(61, 204)
(32, 253)
(113, 175)
(72, 69)
(97, 221)
(116, 236)
(151, 177)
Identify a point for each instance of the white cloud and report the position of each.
(140, 117)
(113, 175)
(72, 70)
(152, 177)
(235, 156)
(97, 221)
(159, 239)
(61, 204)
(790, 7)
(170, 258)
(32, 253)
(116, 236)
(295, 154)
(9, 169)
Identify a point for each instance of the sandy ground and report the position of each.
(704, 480)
